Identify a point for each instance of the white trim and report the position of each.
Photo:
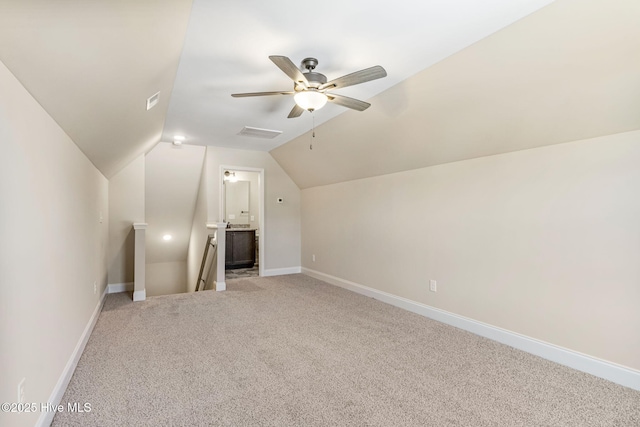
(140, 295)
(281, 271)
(140, 225)
(220, 286)
(573, 359)
(46, 417)
(115, 288)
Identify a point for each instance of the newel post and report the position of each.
(220, 228)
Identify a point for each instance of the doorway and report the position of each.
(242, 206)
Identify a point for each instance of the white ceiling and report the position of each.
(466, 79)
(228, 43)
(92, 64)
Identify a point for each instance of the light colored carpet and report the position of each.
(294, 351)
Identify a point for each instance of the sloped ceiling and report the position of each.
(92, 65)
(566, 72)
(228, 44)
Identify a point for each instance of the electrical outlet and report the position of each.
(21, 390)
(253, 218)
(433, 286)
(313, 257)
(95, 287)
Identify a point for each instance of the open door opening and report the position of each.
(242, 208)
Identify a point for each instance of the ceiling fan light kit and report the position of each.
(310, 100)
(311, 90)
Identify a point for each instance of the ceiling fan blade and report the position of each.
(296, 111)
(242, 95)
(345, 101)
(368, 74)
(290, 69)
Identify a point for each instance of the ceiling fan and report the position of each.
(311, 90)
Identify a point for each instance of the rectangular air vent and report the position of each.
(259, 133)
(153, 101)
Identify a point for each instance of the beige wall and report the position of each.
(282, 221)
(126, 206)
(54, 228)
(543, 242)
(164, 278)
(199, 233)
(160, 189)
(172, 178)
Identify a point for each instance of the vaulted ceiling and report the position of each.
(465, 78)
(568, 72)
(92, 65)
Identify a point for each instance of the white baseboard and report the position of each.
(140, 295)
(581, 362)
(46, 417)
(281, 271)
(115, 288)
(220, 286)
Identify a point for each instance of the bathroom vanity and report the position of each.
(240, 248)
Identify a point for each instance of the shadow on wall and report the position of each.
(164, 278)
(121, 266)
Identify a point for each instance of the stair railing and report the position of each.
(202, 280)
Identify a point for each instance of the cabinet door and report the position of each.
(244, 248)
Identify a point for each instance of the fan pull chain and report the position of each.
(313, 130)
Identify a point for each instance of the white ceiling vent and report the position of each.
(153, 101)
(259, 133)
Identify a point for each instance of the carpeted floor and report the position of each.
(294, 351)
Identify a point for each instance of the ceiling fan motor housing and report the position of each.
(314, 79)
(309, 63)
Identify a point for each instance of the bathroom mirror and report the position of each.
(237, 202)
